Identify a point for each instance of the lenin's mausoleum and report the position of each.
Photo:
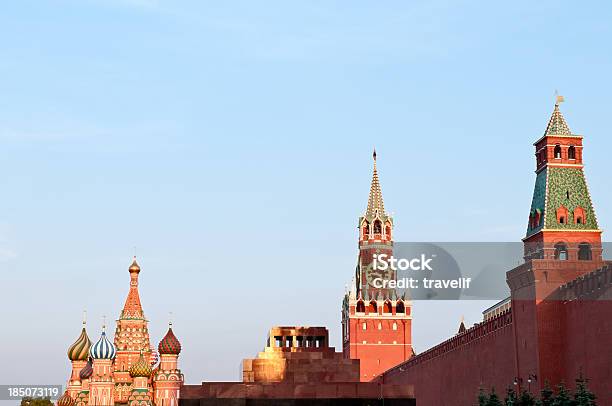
(556, 325)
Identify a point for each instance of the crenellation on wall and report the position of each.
(473, 333)
(594, 285)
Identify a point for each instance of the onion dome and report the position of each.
(87, 371)
(79, 351)
(134, 267)
(169, 344)
(103, 349)
(65, 400)
(141, 368)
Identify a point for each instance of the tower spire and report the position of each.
(375, 199)
(557, 124)
(133, 307)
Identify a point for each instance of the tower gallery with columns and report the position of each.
(125, 371)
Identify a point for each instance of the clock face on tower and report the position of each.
(372, 275)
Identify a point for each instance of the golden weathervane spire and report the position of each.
(557, 124)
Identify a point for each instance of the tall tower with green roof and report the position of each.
(562, 223)
(563, 243)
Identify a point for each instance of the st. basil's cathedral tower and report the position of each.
(126, 371)
(376, 322)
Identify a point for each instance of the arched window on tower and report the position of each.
(584, 252)
(387, 307)
(360, 307)
(571, 152)
(388, 230)
(365, 230)
(373, 308)
(579, 215)
(557, 151)
(562, 215)
(561, 251)
(399, 308)
(377, 227)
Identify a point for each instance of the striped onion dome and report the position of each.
(87, 371)
(169, 344)
(103, 349)
(79, 351)
(141, 368)
(65, 400)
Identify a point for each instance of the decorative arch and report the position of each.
(388, 229)
(387, 307)
(360, 306)
(562, 215)
(365, 230)
(579, 215)
(373, 307)
(377, 226)
(399, 307)
(557, 153)
(571, 152)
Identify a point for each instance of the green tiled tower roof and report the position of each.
(562, 187)
(557, 124)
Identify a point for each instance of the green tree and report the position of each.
(583, 396)
(547, 396)
(493, 399)
(511, 399)
(482, 398)
(526, 399)
(563, 397)
(36, 402)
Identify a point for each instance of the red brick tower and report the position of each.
(376, 323)
(563, 242)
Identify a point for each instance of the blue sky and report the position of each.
(230, 143)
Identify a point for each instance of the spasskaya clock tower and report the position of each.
(376, 322)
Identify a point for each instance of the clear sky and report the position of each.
(230, 142)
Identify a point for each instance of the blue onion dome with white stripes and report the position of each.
(103, 349)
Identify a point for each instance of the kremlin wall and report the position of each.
(556, 325)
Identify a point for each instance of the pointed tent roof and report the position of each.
(462, 328)
(557, 124)
(133, 308)
(375, 200)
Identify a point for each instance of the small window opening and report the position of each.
(377, 227)
(584, 252)
(561, 252)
